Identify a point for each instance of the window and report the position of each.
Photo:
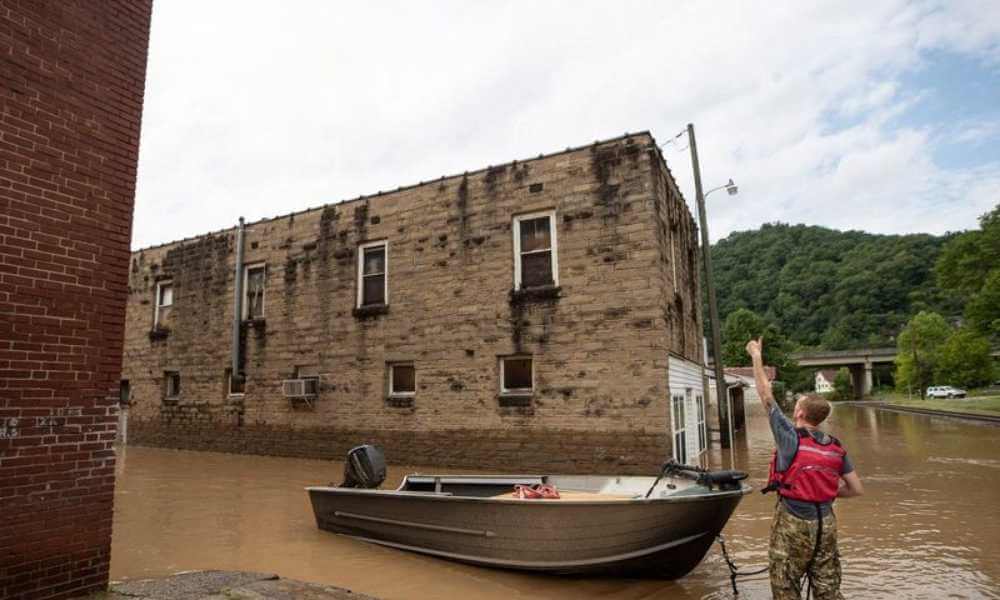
(516, 375)
(235, 386)
(254, 279)
(171, 384)
(402, 379)
(680, 434)
(373, 269)
(702, 430)
(164, 300)
(535, 260)
(124, 393)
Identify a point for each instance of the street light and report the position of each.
(730, 187)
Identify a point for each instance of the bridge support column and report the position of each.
(858, 380)
(866, 388)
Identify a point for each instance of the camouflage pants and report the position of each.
(793, 541)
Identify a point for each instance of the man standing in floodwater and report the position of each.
(809, 470)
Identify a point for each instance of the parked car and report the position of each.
(945, 391)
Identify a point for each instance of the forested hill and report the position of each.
(827, 288)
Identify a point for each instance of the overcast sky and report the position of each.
(882, 116)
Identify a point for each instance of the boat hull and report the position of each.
(658, 537)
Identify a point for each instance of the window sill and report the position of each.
(370, 311)
(158, 333)
(514, 400)
(535, 294)
(399, 401)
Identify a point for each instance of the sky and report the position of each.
(876, 115)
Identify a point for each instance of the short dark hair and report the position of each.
(815, 408)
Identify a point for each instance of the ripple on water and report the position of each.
(957, 460)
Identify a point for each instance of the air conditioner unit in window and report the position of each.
(300, 388)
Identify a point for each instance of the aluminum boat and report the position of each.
(600, 525)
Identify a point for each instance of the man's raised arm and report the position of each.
(755, 349)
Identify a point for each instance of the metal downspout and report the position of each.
(236, 373)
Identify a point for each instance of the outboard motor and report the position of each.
(724, 480)
(364, 468)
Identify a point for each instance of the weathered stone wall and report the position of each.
(492, 449)
(73, 75)
(599, 348)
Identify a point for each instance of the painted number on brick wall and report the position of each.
(8, 428)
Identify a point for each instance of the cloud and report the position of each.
(258, 109)
(976, 132)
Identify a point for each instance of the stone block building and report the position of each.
(523, 316)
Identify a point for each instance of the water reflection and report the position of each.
(927, 527)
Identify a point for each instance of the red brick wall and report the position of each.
(71, 91)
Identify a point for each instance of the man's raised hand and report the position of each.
(755, 348)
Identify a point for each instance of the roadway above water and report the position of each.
(926, 528)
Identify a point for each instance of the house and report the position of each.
(736, 389)
(745, 375)
(540, 314)
(824, 380)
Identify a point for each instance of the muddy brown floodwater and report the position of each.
(928, 526)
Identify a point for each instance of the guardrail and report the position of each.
(941, 413)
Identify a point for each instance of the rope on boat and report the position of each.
(734, 571)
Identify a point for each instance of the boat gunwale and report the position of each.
(436, 496)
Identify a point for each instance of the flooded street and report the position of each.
(926, 528)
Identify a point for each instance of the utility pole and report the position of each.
(721, 391)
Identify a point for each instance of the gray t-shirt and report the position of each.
(787, 441)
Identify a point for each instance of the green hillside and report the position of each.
(831, 289)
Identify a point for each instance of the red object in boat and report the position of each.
(532, 492)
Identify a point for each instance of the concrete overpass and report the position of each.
(859, 362)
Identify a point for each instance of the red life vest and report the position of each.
(814, 475)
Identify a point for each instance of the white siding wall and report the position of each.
(685, 379)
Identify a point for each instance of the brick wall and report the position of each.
(70, 102)
(625, 301)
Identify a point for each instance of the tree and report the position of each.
(919, 346)
(968, 258)
(969, 263)
(983, 310)
(964, 360)
(843, 387)
(743, 325)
